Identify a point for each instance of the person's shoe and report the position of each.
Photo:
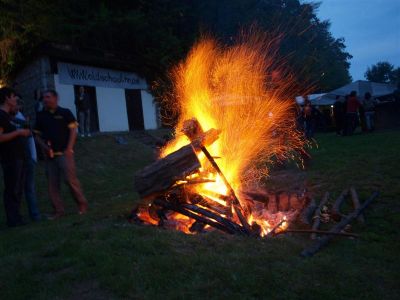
(82, 135)
(89, 135)
(83, 209)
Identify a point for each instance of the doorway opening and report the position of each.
(134, 109)
(90, 92)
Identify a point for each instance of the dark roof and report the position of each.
(85, 56)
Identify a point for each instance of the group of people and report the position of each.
(52, 137)
(348, 113)
(353, 111)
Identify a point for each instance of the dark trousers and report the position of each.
(339, 122)
(351, 123)
(310, 128)
(63, 167)
(13, 187)
(84, 121)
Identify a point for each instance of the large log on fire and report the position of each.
(165, 172)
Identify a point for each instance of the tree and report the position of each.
(158, 33)
(383, 72)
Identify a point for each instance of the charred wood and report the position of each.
(159, 176)
(192, 215)
(308, 212)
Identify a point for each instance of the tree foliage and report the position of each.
(383, 72)
(158, 33)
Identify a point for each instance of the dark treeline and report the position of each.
(158, 33)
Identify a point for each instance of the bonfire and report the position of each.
(236, 117)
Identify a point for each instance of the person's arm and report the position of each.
(5, 137)
(72, 125)
(71, 140)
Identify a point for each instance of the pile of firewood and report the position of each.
(313, 215)
(166, 186)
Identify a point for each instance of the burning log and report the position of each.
(221, 220)
(192, 129)
(317, 215)
(356, 204)
(336, 214)
(218, 208)
(235, 201)
(186, 212)
(273, 231)
(308, 212)
(310, 251)
(159, 176)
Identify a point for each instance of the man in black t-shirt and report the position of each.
(56, 126)
(12, 154)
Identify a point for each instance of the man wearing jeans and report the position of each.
(30, 161)
(57, 128)
(82, 103)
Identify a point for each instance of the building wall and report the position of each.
(66, 95)
(36, 75)
(149, 110)
(111, 103)
(111, 107)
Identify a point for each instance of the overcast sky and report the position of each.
(371, 29)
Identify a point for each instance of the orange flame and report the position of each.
(237, 90)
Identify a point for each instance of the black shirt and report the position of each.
(54, 127)
(82, 102)
(15, 148)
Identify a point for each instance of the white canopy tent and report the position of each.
(314, 98)
(361, 87)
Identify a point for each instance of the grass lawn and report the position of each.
(102, 256)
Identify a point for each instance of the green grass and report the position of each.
(102, 256)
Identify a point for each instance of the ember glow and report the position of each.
(239, 90)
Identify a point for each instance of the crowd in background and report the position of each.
(347, 114)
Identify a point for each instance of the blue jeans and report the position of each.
(30, 189)
(84, 121)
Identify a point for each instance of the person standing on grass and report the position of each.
(338, 115)
(12, 154)
(351, 112)
(29, 188)
(56, 126)
(82, 103)
(310, 117)
(369, 111)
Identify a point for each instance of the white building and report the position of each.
(120, 100)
